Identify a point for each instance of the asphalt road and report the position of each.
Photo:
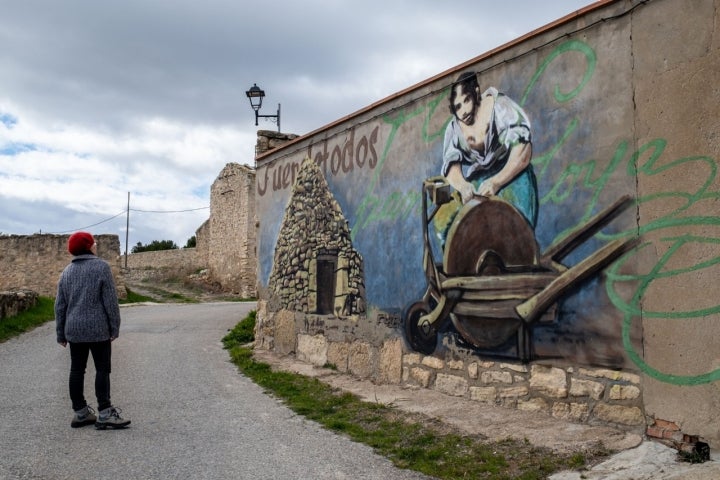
(193, 415)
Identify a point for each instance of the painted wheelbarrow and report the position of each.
(493, 283)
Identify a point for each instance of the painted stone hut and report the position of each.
(316, 268)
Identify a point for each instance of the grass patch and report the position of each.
(242, 333)
(25, 321)
(409, 440)
(179, 297)
(133, 297)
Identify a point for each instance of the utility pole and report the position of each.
(127, 229)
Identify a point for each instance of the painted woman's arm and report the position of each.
(456, 179)
(518, 160)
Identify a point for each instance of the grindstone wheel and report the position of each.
(488, 225)
(487, 236)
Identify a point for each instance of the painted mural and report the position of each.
(491, 216)
(315, 268)
(493, 284)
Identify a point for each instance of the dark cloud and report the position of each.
(132, 82)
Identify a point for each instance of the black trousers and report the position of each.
(101, 353)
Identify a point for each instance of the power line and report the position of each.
(89, 226)
(169, 211)
(123, 213)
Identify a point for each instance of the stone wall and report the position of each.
(573, 393)
(182, 259)
(35, 262)
(231, 243)
(13, 302)
(268, 140)
(225, 245)
(579, 394)
(202, 243)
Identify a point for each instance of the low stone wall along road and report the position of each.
(193, 414)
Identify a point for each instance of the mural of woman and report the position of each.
(486, 152)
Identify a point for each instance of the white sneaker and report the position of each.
(110, 417)
(84, 416)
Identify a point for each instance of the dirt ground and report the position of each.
(174, 286)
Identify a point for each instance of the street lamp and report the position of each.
(255, 95)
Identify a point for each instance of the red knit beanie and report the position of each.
(80, 243)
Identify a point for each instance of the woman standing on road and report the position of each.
(87, 317)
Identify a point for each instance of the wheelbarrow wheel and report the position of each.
(423, 338)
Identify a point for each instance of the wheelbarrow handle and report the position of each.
(534, 306)
(566, 245)
(437, 317)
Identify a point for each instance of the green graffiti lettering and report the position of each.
(366, 211)
(681, 208)
(685, 200)
(569, 46)
(371, 206)
(564, 185)
(432, 106)
(633, 310)
(399, 205)
(583, 175)
(394, 204)
(542, 162)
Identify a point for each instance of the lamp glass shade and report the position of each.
(255, 95)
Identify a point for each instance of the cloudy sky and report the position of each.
(147, 97)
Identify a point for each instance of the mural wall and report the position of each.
(511, 212)
(551, 202)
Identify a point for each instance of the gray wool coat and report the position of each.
(86, 305)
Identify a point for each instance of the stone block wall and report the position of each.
(183, 259)
(202, 243)
(571, 393)
(232, 260)
(225, 245)
(35, 262)
(268, 139)
(13, 302)
(578, 394)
